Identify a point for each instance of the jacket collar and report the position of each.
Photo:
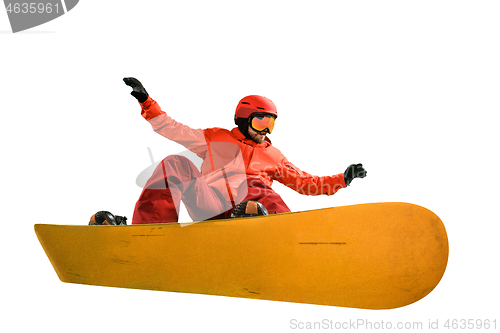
(241, 137)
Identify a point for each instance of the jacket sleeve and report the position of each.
(171, 129)
(305, 183)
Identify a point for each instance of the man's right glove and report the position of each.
(139, 92)
(354, 171)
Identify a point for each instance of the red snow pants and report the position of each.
(176, 178)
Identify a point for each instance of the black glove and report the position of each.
(354, 171)
(139, 92)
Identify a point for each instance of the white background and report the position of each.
(408, 88)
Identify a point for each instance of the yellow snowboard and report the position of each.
(371, 256)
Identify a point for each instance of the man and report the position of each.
(239, 167)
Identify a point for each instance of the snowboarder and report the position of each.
(238, 168)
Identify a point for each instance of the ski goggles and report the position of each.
(262, 122)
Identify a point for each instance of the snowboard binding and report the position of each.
(106, 218)
(249, 208)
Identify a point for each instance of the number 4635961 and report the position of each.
(470, 324)
(32, 8)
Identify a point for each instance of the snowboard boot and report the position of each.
(106, 218)
(249, 208)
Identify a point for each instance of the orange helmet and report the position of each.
(254, 103)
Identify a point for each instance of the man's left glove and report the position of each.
(139, 92)
(354, 171)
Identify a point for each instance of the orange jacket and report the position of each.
(229, 155)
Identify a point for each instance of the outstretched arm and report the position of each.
(305, 183)
(161, 122)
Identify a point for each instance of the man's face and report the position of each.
(258, 137)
